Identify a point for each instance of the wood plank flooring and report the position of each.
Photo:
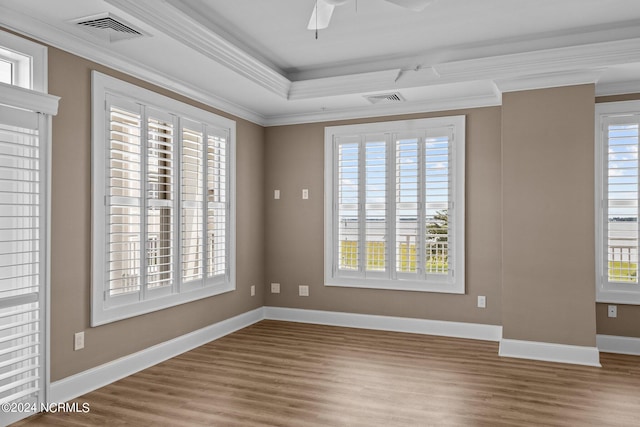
(291, 374)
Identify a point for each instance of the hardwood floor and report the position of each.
(290, 374)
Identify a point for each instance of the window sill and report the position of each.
(444, 286)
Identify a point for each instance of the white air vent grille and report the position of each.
(385, 98)
(108, 27)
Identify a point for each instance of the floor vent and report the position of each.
(108, 27)
(385, 98)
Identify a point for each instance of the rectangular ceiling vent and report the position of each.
(385, 98)
(108, 27)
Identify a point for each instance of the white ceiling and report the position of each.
(256, 59)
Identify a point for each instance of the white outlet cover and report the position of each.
(253, 290)
(303, 290)
(78, 341)
(305, 193)
(276, 194)
(612, 311)
(275, 288)
(482, 301)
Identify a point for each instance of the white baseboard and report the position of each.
(387, 323)
(92, 379)
(620, 345)
(550, 352)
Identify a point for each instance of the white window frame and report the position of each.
(606, 291)
(103, 310)
(29, 60)
(454, 281)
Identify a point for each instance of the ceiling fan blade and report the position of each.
(322, 10)
(415, 5)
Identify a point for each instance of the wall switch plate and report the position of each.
(275, 288)
(612, 311)
(303, 290)
(78, 341)
(276, 194)
(253, 290)
(482, 301)
(305, 193)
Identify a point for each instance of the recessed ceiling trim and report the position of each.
(484, 99)
(49, 34)
(549, 60)
(341, 85)
(618, 88)
(176, 24)
(547, 80)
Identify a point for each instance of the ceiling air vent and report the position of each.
(108, 27)
(385, 98)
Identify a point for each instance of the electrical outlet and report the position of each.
(612, 311)
(482, 301)
(303, 290)
(78, 341)
(276, 194)
(253, 290)
(305, 193)
(275, 288)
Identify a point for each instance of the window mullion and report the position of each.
(205, 206)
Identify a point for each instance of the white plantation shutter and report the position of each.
(23, 258)
(438, 202)
(160, 199)
(408, 202)
(348, 205)
(217, 199)
(396, 205)
(618, 244)
(192, 201)
(124, 197)
(164, 211)
(375, 205)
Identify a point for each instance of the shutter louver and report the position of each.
(437, 158)
(217, 190)
(192, 204)
(348, 208)
(376, 203)
(21, 266)
(408, 172)
(621, 186)
(124, 201)
(160, 202)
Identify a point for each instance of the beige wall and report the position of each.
(70, 78)
(294, 159)
(548, 265)
(628, 321)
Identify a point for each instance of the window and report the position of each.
(163, 185)
(617, 168)
(394, 205)
(22, 63)
(25, 138)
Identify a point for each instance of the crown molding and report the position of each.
(546, 80)
(587, 56)
(49, 34)
(485, 99)
(175, 23)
